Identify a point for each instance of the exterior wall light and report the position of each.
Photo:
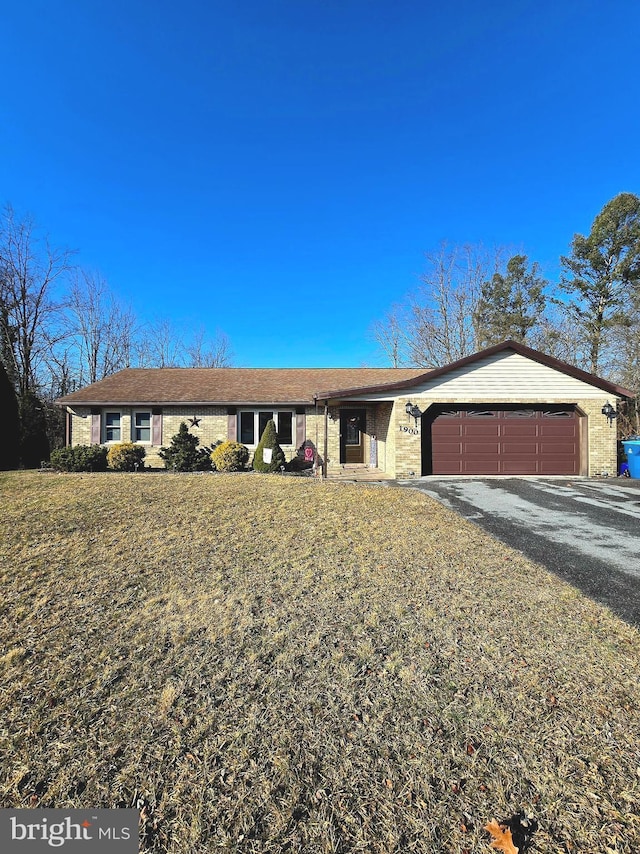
(609, 412)
(413, 411)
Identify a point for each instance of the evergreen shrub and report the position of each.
(80, 458)
(184, 453)
(126, 456)
(230, 456)
(269, 441)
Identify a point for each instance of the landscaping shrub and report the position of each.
(80, 458)
(299, 463)
(183, 454)
(126, 456)
(269, 441)
(230, 456)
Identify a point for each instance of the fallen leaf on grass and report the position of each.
(502, 840)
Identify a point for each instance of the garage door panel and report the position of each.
(480, 429)
(518, 467)
(450, 449)
(516, 429)
(446, 430)
(557, 449)
(481, 449)
(560, 466)
(488, 466)
(526, 440)
(448, 465)
(559, 428)
(519, 449)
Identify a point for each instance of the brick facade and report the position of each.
(215, 425)
(601, 444)
(397, 436)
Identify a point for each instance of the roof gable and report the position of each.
(474, 359)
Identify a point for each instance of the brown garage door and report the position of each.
(513, 440)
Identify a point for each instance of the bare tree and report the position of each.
(100, 330)
(159, 345)
(388, 333)
(559, 337)
(202, 353)
(437, 324)
(29, 270)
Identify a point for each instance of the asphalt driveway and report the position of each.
(586, 531)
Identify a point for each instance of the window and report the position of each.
(263, 418)
(142, 427)
(112, 427)
(252, 424)
(558, 413)
(353, 431)
(285, 435)
(247, 431)
(520, 413)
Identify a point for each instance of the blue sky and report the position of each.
(277, 168)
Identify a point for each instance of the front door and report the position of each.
(353, 423)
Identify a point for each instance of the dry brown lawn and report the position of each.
(273, 664)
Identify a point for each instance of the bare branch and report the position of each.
(30, 268)
(209, 354)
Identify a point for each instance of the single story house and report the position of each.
(505, 410)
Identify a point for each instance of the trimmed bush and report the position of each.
(230, 456)
(269, 442)
(126, 456)
(183, 454)
(80, 458)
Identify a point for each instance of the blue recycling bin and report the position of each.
(632, 450)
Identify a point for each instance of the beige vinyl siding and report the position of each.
(503, 376)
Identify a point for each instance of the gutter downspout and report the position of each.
(326, 438)
(315, 450)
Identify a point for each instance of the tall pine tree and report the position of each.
(510, 304)
(602, 274)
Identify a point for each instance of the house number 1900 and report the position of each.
(413, 430)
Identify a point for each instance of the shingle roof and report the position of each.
(229, 385)
(284, 385)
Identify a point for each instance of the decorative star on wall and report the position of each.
(195, 422)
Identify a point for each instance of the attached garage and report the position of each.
(517, 439)
(507, 410)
